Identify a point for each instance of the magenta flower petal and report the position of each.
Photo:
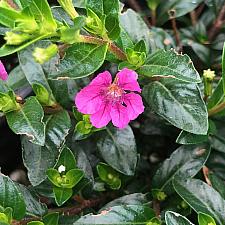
(3, 73)
(127, 80)
(134, 105)
(103, 79)
(102, 117)
(88, 100)
(119, 116)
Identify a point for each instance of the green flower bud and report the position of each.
(42, 55)
(3, 218)
(8, 102)
(135, 58)
(208, 76)
(13, 38)
(159, 195)
(67, 5)
(26, 25)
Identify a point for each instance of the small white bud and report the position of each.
(61, 169)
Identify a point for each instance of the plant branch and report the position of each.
(217, 25)
(112, 47)
(216, 109)
(172, 14)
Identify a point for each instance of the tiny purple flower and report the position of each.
(105, 101)
(3, 73)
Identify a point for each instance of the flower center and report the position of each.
(114, 91)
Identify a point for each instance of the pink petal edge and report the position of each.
(127, 80)
(134, 105)
(3, 72)
(102, 79)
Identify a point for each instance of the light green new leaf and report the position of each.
(10, 196)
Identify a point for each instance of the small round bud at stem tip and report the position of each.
(61, 169)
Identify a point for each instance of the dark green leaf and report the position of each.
(51, 219)
(129, 214)
(66, 159)
(180, 103)
(38, 159)
(223, 68)
(199, 196)
(186, 138)
(10, 196)
(133, 24)
(80, 60)
(173, 218)
(170, 64)
(118, 149)
(131, 199)
(32, 70)
(185, 162)
(33, 205)
(180, 8)
(62, 195)
(29, 121)
(217, 183)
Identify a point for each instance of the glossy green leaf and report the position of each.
(110, 9)
(133, 24)
(17, 79)
(10, 196)
(217, 95)
(180, 8)
(185, 162)
(80, 61)
(186, 138)
(109, 176)
(131, 199)
(35, 223)
(51, 219)
(204, 219)
(62, 195)
(33, 70)
(29, 121)
(119, 215)
(74, 176)
(66, 159)
(170, 64)
(38, 159)
(118, 149)
(178, 102)
(173, 218)
(217, 183)
(199, 196)
(33, 205)
(223, 68)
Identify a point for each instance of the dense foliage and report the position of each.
(167, 166)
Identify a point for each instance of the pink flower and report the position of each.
(105, 101)
(3, 73)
